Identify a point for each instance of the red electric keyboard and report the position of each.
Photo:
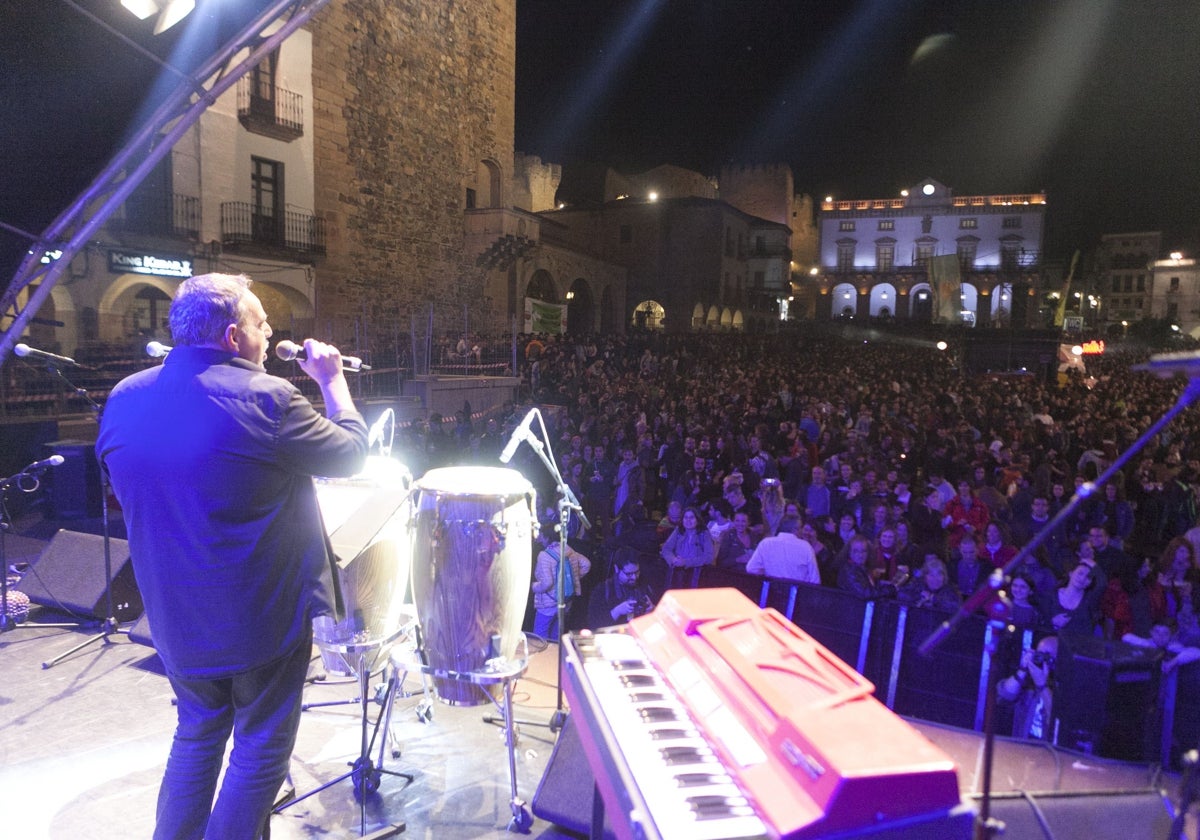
(712, 719)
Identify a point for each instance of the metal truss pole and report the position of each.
(76, 225)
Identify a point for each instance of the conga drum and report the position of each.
(367, 518)
(472, 543)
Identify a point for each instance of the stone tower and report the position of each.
(413, 106)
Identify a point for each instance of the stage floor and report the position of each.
(83, 745)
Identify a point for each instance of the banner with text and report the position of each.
(543, 317)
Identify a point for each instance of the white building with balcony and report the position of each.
(1174, 292)
(235, 195)
(875, 253)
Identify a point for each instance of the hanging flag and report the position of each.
(945, 281)
(544, 317)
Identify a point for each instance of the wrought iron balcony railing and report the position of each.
(244, 224)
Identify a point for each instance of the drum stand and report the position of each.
(504, 672)
(366, 773)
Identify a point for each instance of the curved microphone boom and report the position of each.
(290, 351)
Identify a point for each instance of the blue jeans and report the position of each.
(261, 708)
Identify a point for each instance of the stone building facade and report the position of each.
(1125, 263)
(1174, 293)
(364, 176)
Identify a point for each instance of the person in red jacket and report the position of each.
(964, 515)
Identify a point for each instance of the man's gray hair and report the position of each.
(205, 305)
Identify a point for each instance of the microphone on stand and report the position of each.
(379, 429)
(157, 349)
(45, 463)
(27, 352)
(290, 351)
(519, 434)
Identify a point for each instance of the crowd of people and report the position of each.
(899, 474)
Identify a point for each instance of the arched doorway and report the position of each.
(1002, 303)
(488, 180)
(541, 287)
(970, 303)
(883, 300)
(845, 301)
(146, 316)
(922, 303)
(649, 315)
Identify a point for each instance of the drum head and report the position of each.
(474, 481)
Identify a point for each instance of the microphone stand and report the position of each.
(985, 827)
(567, 502)
(110, 625)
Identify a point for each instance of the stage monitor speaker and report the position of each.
(69, 576)
(566, 792)
(1105, 698)
(1097, 815)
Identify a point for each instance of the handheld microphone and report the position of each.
(290, 351)
(27, 352)
(45, 463)
(519, 434)
(157, 349)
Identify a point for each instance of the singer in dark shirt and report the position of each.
(212, 460)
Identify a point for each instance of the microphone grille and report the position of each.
(287, 350)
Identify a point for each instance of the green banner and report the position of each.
(543, 317)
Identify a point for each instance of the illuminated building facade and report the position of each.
(875, 255)
(1174, 293)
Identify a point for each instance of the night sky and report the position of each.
(1093, 101)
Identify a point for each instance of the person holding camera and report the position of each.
(1031, 690)
(622, 596)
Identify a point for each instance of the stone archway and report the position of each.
(845, 300)
(649, 315)
(883, 300)
(541, 287)
(922, 303)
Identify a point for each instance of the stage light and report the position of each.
(169, 12)
(141, 9)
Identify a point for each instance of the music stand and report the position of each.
(365, 772)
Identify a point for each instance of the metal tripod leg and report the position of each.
(365, 773)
